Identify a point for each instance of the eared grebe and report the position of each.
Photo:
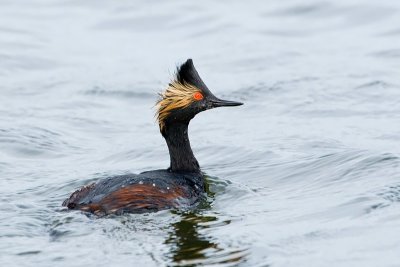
(183, 182)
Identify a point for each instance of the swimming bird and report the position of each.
(182, 184)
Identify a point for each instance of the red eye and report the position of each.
(198, 96)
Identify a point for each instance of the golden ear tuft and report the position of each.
(176, 96)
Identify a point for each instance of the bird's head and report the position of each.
(186, 96)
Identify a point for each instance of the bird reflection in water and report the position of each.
(191, 246)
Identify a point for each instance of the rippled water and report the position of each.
(306, 173)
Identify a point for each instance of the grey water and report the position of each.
(306, 173)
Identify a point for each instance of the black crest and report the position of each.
(187, 73)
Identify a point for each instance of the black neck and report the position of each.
(180, 152)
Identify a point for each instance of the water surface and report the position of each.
(306, 173)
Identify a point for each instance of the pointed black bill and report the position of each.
(215, 103)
